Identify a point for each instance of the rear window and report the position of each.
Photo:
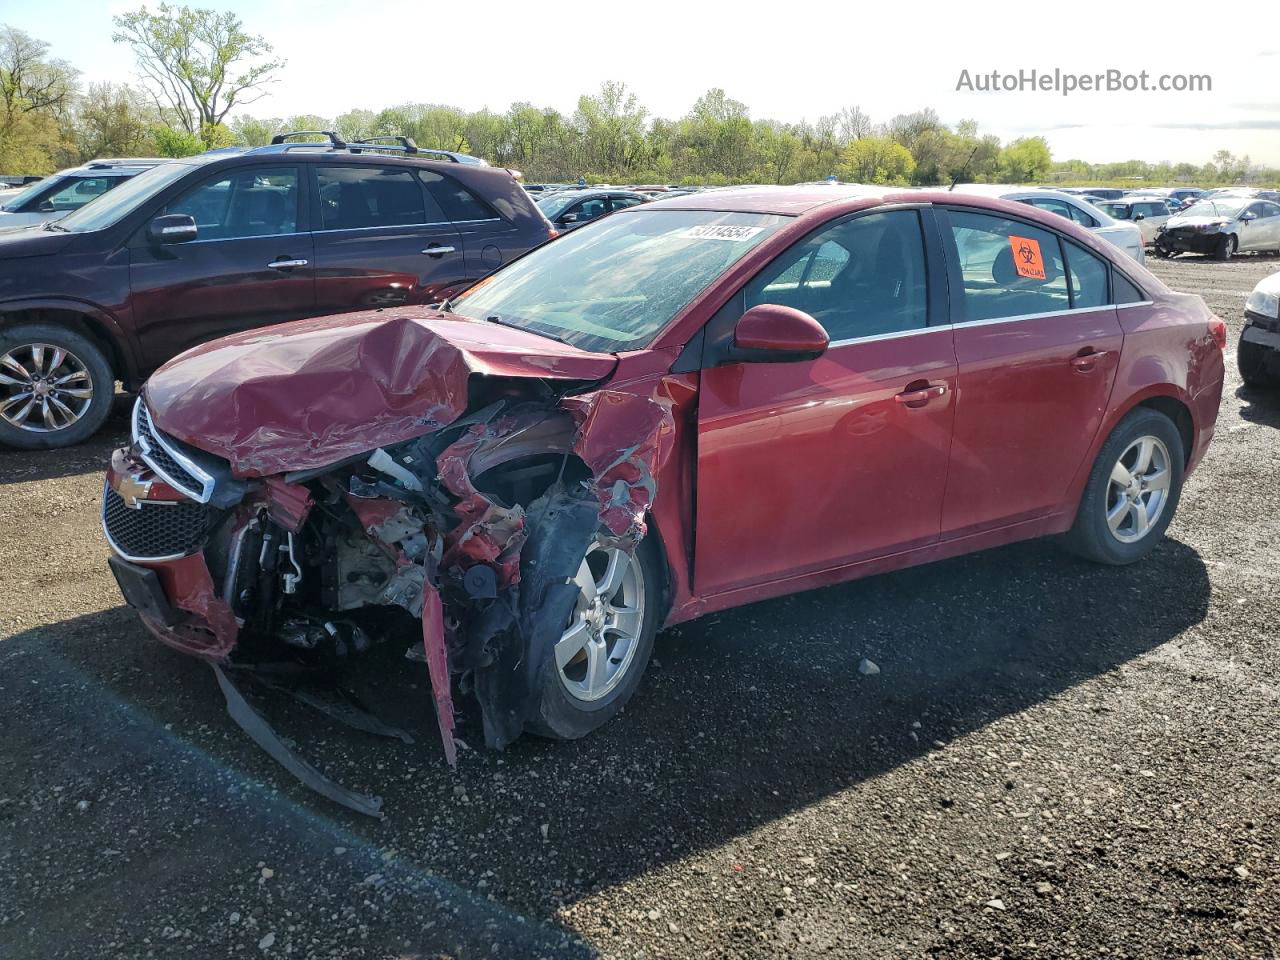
(459, 203)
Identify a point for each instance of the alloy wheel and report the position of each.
(599, 645)
(43, 387)
(1139, 489)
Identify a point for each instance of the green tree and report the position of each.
(877, 160)
(113, 120)
(1025, 160)
(36, 95)
(197, 64)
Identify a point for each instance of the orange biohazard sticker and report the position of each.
(1026, 257)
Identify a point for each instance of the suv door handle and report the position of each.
(1085, 362)
(921, 396)
(286, 264)
(438, 251)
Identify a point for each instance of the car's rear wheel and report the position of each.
(1256, 364)
(1132, 490)
(56, 386)
(1225, 248)
(599, 654)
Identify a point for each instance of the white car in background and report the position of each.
(1126, 236)
(1148, 212)
(58, 194)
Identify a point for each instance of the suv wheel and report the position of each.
(1132, 491)
(56, 386)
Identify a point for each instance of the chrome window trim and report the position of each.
(206, 481)
(1136, 303)
(981, 323)
(892, 335)
(1031, 316)
(256, 236)
(389, 226)
(106, 485)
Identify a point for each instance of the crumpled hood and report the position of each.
(1175, 222)
(310, 393)
(30, 241)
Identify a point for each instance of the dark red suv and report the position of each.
(230, 240)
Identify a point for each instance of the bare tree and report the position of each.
(198, 64)
(29, 80)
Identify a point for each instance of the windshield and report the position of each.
(615, 286)
(1118, 210)
(17, 200)
(1226, 207)
(552, 206)
(110, 207)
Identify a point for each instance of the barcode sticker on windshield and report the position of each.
(720, 232)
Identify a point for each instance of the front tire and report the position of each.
(1225, 248)
(1132, 491)
(598, 656)
(56, 386)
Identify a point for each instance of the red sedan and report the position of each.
(690, 405)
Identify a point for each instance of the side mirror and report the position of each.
(46, 206)
(174, 228)
(568, 218)
(1139, 216)
(1249, 216)
(770, 333)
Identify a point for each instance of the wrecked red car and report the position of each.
(693, 404)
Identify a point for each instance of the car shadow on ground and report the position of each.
(21, 466)
(1260, 406)
(745, 717)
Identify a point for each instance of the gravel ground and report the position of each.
(1056, 760)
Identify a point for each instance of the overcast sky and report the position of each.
(785, 61)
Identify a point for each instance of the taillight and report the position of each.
(1218, 330)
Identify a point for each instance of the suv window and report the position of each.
(248, 202)
(1154, 210)
(1060, 207)
(356, 198)
(859, 278)
(1082, 218)
(458, 203)
(1007, 268)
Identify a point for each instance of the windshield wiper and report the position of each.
(51, 225)
(445, 306)
(494, 318)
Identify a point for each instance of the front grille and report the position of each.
(160, 460)
(155, 530)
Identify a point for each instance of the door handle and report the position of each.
(1085, 362)
(438, 251)
(921, 396)
(286, 264)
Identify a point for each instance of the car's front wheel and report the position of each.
(599, 651)
(1225, 248)
(1132, 491)
(56, 386)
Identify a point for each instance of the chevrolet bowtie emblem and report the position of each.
(133, 490)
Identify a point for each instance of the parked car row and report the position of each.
(56, 195)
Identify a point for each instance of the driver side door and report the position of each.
(816, 464)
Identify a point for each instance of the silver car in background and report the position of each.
(58, 194)
(1221, 227)
(1149, 213)
(1126, 236)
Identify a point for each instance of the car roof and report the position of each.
(787, 201)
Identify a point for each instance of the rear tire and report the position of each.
(1225, 248)
(65, 376)
(1256, 363)
(1107, 528)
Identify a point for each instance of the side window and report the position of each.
(1082, 218)
(1125, 291)
(1270, 210)
(590, 209)
(1007, 268)
(859, 278)
(1088, 275)
(352, 198)
(621, 203)
(458, 203)
(1155, 210)
(250, 202)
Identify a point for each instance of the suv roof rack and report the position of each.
(335, 141)
(395, 143)
(103, 163)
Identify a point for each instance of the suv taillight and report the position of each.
(1218, 330)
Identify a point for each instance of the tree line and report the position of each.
(199, 69)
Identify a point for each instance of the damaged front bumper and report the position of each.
(417, 543)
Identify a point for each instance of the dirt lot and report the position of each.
(1056, 760)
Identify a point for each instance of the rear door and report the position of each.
(249, 266)
(1038, 346)
(488, 239)
(810, 465)
(381, 239)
